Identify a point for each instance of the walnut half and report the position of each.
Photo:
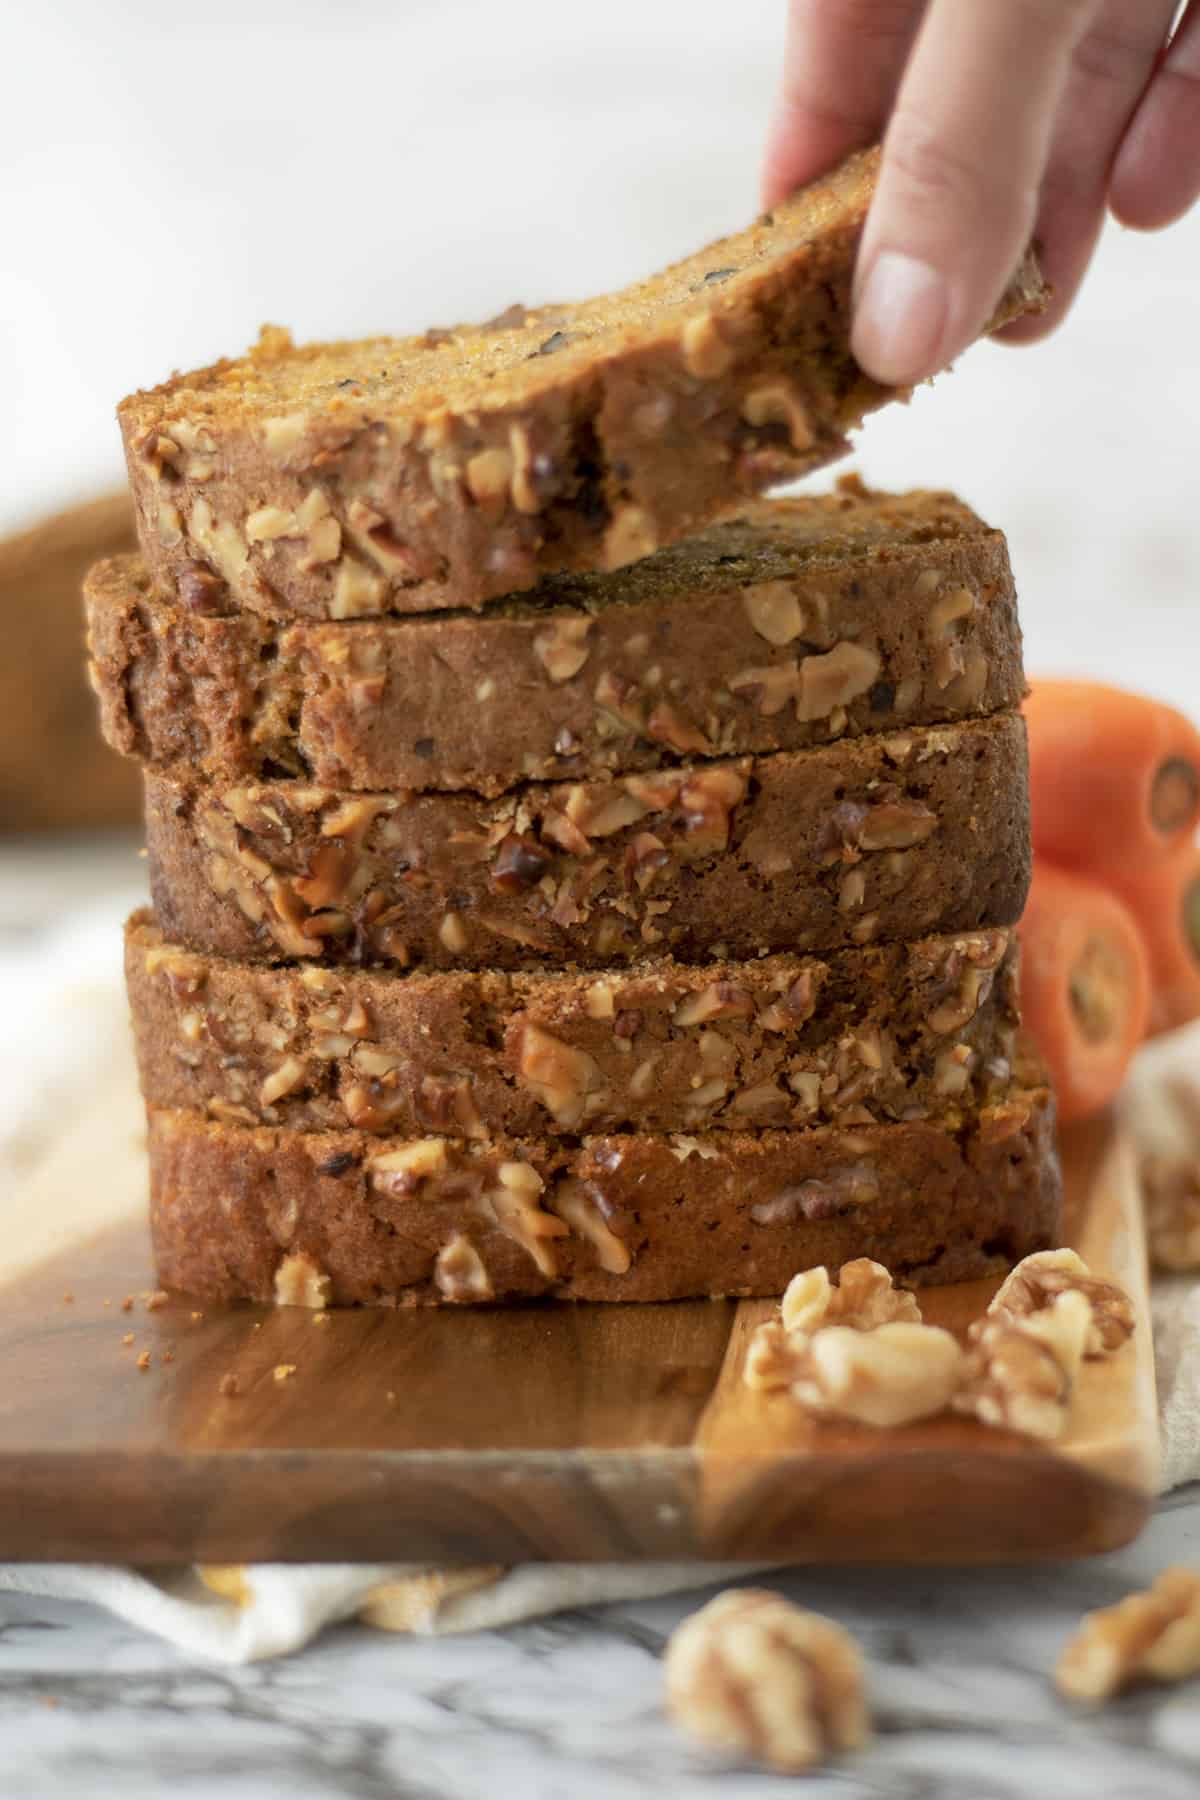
(863, 1299)
(1154, 1635)
(889, 1376)
(1038, 1280)
(1021, 1368)
(751, 1673)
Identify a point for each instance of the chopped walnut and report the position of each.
(792, 1006)
(1171, 1186)
(835, 679)
(1021, 1368)
(1154, 1635)
(519, 864)
(357, 591)
(889, 1376)
(600, 809)
(562, 647)
(719, 1000)
(706, 354)
(753, 1674)
(644, 861)
(284, 1080)
(778, 404)
(630, 536)
(401, 1171)
(599, 1002)
(770, 688)
(299, 1281)
(774, 611)
(452, 933)
(854, 1184)
(952, 1014)
(566, 1080)
(948, 612)
(667, 725)
(513, 1207)
(1037, 1281)
(896, 825)
(488, 477)
(583, 1206)
(459, 1271)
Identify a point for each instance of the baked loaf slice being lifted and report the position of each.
(414, 474)
(797, 622)
(307, 1218)
(877, 838)
(901, 1031)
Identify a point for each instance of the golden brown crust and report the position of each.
(873, 1035)
(611, 1218)
(411, 475)
(798, 623)
(876, 839)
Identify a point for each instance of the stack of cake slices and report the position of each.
(556, 892)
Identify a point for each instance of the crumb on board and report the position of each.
(284, 1371)
(196, 1317)
(156, 1301)
(127, 1339)
(168, 1354)
(68, 1299)
(229, 1386)
(143, 1361)
(127, 1303)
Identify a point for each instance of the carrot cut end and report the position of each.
(1191, 919)
(1174, 795)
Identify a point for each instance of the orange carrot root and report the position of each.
(1085, 986)
(1165, 901)
(1114, 776)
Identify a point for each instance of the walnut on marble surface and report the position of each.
(1171, 1187)
(752, 1674)
(1155, 1636)
(1021, 1368)
(1038, 1280)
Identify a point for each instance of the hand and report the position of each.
(1002, 120)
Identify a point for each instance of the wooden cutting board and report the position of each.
(564, 1433)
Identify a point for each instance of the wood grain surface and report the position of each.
(540, 1432)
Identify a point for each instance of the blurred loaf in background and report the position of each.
(55, 774)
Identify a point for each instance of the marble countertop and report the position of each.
(570, 1706)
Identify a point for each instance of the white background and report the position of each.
(172, 175)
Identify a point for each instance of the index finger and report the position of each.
(963, 158)
(842, 64)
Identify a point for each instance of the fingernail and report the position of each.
(900, 319)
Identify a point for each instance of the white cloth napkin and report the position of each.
(65, 991)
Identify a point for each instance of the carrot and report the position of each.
(1165, 901)
(1114, 776)
(1085, 986)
